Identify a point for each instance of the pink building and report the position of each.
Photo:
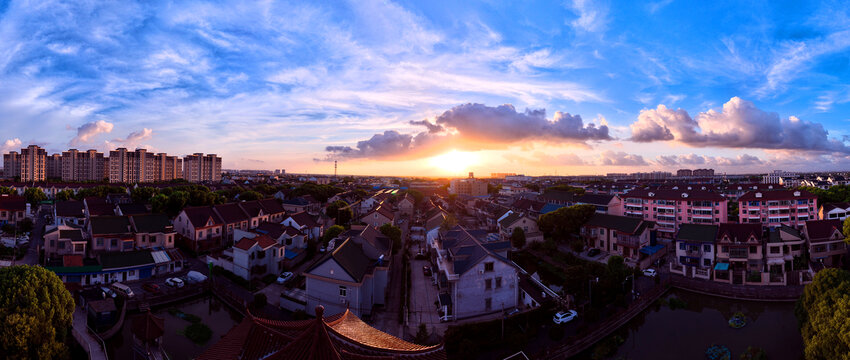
(671, 208)
(779, 207)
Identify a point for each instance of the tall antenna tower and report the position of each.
(334, 169)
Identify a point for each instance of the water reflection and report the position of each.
(662, 333)
(219, 318)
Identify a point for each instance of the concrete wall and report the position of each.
(469, 292)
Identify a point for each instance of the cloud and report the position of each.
(592, 17)
(132, 141)
(10, 145)
(739, 124)
(619, 158)
(89, 130)
(474, 127)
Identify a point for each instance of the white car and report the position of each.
(564, 316)
(284, 277)
(650, 272)
(174, 282)
(108, 292)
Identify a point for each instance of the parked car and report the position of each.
(108, 292)
(195, 277)
(123, 289)
(284, 277)
(426, 270)
(152, 288)
(650, 272)
(593, 252)
(564, 316)
(174, 282)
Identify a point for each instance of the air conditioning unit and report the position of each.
(481, 272)
(343, 301)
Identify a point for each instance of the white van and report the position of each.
(123, 289)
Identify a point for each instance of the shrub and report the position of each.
(198, 333)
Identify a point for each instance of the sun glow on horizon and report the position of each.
(455, 162)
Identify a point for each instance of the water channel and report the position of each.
(213, 313)
(662, 333)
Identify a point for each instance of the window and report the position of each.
(498, 282)
(774, 249)
(132, 272)
(488, 266)
(615, 247)
(753, 250)
(343, 291)
(488, 284)
(114, 242)
(99, 242)
(706, 262)
(602, 231)
(706, 248)
(724, 249)
(681, 246)
(488, 304)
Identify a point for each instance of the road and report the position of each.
(423, 295)
(36, 240)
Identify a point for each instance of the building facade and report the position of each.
(672, 208)
(779, 207)
(202, 168)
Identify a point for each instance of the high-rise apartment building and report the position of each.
(33, 162)
(84, 166)
(202, 168)
(168, 167)
(12, 164)
(131, 166)
(53, 166)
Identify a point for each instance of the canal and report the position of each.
(213, 313)
(685, 333)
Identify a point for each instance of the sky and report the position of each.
(435, 88)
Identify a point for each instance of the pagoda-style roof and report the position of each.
(342, 336)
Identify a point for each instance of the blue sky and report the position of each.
(626, 86)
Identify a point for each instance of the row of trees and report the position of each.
(824, 315)
(837, 193)
(561, 224)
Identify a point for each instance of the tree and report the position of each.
(35, 313)
(518, 238)
(575, 190)
(847, 230)
(34, 196)
(340, 212)
(394, 233)
(493, 189)
(250, 195)
(421, 334)
(824, 314)
(566, 221)
(5, 190)
(64, 195)
(143, 194)
(332, 232)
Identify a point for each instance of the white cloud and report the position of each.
(88, 131)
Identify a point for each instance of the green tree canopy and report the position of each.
(824, 315)
(394, 233)
(332, 232)
(319, 192)
(563, 187)
(5, 190)
(847, 230)
(340, 212)
(449, 222)
(250, 195)
(64, 195)
(143, 194)
(35, 312)
(566, 221)
(34, 196)
(518, 238)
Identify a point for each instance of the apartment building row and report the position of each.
(121, 166)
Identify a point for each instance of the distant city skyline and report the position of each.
(438, 88)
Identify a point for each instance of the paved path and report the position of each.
(740, 292)
(423, 295)
(89, 343)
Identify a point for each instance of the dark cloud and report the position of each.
(474, 127)
(740, 124)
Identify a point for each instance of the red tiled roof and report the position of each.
(198, 216)
(776, 195)
(739, 232)
(264, 241)
(13, 203)
(822, 230)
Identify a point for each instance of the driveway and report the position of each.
(423, 295)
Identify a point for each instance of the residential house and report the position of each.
(695, 249)
(826, 241)
(345, 279)
(153, 231)
(12, 209)
(127, 266)
(233, 217)
(604, 203)
(834, 211)
(201, 226)
(273, 209)
(406, 205)
(784, 245)
(778, 207)
(306, 223)
(285, 235)
(111, 234)
(558, 197)
(255, 257)
(127, 209)
(256, 213)
(620, 235)
(671, 209)
(381, 215)
(475, 275)
(295, 205)
(740, 253)
(62, 239)
(69, 213)
(96, 206)
(508, 224)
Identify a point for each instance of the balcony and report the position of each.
(693, 253)
(629, 241)
(738, 253)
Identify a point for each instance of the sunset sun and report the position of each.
(455, 162)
